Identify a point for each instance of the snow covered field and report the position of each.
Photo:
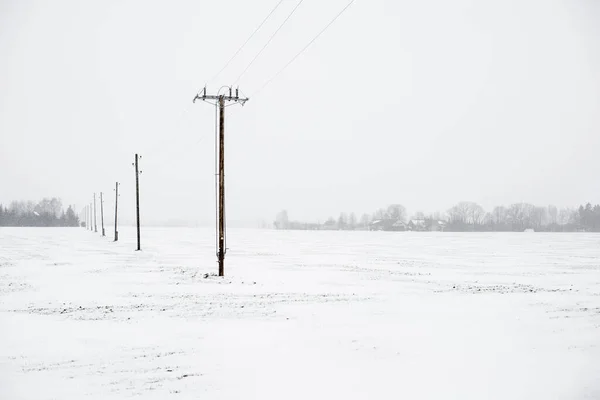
(300, 315)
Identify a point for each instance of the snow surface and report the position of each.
(300, 315)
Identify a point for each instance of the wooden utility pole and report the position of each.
(220, 103)
(137, 199)
(95, 219)
(91, 217)
(102, 213)
(116, 210)
(222, 250)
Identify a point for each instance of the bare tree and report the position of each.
(352, 221)
(553, 214)
(365, 220)
(538, 217)
(460, 212)
(499, 215)
(282, 221)
(380, 214)
(397, 212)
(466, 213)
(476, 214)
(343, 221)
(419, 215)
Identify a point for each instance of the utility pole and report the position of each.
(91, 217)
(137, 199)
(220, 103)
(95, 219)
(116, 209)
(102, 213)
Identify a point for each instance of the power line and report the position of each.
(247, 40)
(268, 41)
(303, 49)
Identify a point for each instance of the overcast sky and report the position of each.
(419, 103)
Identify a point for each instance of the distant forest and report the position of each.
(463, 217)
(47, 212)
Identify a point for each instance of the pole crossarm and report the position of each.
(230, 97)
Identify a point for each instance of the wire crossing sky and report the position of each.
(268, 41)
(246, 42)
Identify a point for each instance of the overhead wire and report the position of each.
(247, 40)
(268, 41)
(303, 49)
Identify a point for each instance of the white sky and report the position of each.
(418, 103)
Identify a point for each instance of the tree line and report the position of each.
(463, 217)
(469, 216)
(47, 212)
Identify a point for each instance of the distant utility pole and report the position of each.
(91, 217)
(220, 101)
(137, 199)
(102, 213)
(95, 219)
(116, 209)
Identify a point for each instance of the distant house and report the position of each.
(398, 226)
(435, 225)
(377, 225)
(387, 225)
(417, 225)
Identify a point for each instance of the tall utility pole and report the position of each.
(220, 102)
(95, 219)
(102, 213)
(137, 199)
(91, 217)
(116, 209)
